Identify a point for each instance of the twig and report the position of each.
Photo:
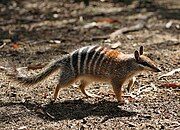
(170, 73)
(123, 30)
(2, 68)
(2, 45)
(48, 23)
(141, 24)
(94, 38)
(136, 27)
(49, 115)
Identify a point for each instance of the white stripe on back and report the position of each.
(90, 63)
(85, 61)
(71, 61)
(95, 63)
(79, 58)
(100, 64)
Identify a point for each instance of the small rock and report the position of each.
(23, 100)
(55, 41)
(135, 44)
(107, 41)
(13, 94)
(81, 19)
(147, 116)
(169, 24)
(115, 45)
(178, 26)
(55, 15)
(130, 37)
(84, 121)
(22, 128)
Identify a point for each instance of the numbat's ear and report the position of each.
(136, 55)
(141, 50)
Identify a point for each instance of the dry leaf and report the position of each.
(35, 67)
(171, 85)
(15, 46)
(107, 20)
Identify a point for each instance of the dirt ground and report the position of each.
(33, 33)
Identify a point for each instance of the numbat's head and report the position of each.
(144, 62)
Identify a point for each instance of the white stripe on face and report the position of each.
(90, 63)
(85, 61)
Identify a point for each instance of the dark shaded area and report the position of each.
(70, 109)
(78, 109)
(33, 16)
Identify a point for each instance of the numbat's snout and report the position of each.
(99, 64)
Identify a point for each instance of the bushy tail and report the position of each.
(52, 67)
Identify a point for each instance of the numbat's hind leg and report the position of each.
(65, 80)
(82, 88)
(56, 91)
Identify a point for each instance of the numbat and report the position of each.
(96, 63)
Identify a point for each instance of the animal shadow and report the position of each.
(78, 109)
(72, 109)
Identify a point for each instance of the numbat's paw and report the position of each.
(122, 102)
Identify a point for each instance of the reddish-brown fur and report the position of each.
(112, 54)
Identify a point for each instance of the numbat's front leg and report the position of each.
(117, 87)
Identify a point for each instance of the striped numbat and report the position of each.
(99, 64)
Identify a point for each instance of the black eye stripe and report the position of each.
(146, 64)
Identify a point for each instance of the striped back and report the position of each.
(94, 60)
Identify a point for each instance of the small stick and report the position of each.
(136, 27)
(2, 45)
